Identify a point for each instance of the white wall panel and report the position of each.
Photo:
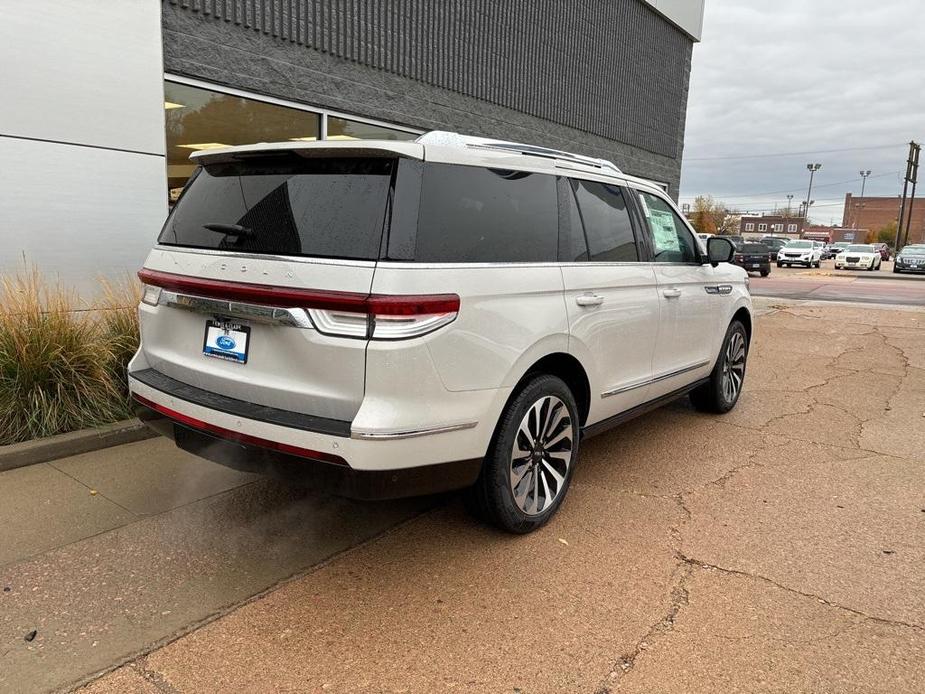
(83, 71)
(78, 212)
(687, 14)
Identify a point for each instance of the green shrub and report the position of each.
(60, 368)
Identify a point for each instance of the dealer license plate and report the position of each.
(228, 341)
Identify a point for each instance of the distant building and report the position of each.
(771, 225)
(876, 213)
(835, 234)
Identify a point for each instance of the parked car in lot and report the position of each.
(735, 239)
(863, 256)
(910, 259)
(386, 318)
(829, 251)
(753, 257)
(774, 243)
(800, 252)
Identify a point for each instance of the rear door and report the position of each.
(610, 295)
(248, 247)
(688, 295)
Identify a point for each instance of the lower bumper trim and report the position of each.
(315, 473)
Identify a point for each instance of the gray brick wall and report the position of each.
(602, 77)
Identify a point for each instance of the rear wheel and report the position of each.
(529, 465)
(765, 273)
(722, 391)
(780, 264)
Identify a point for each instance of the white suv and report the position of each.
(800, 252)
(384, 319)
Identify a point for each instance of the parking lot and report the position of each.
(778, 547)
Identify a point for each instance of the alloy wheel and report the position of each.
(541, 455)
(733, 366)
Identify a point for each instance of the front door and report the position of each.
(688, 320)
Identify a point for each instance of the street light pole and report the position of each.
(813, 168)
(789, 200)
(864, 175)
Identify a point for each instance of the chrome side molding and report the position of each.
(409, 433)
(656, 379)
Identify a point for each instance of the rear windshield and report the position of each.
(800, 244)
(860, 249)
(753, 248)
(329, 208)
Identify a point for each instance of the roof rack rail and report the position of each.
(450, 139)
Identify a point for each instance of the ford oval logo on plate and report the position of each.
(225, 342)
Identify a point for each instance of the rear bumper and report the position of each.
(323, 472)
(376, 461)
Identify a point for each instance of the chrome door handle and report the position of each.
(671, 293)
(589, 300)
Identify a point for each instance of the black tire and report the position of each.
(713, 396)
(492, 498)
(895, 269)
(779, 264)
(765, 273)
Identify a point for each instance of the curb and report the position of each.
(73, 443)
(861, 274)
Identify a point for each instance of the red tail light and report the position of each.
(346, 314)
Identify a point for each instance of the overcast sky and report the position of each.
(798, 76)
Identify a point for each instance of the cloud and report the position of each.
(803, 76)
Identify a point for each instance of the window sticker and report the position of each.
(663, 229)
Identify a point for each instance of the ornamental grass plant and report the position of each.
(62, 364)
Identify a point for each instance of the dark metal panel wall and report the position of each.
(611, 68)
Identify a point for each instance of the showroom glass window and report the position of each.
(200, 119)
(343, 129)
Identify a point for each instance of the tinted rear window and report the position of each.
(475, 215)
(606, 222)
(753, 248)
(331, 208)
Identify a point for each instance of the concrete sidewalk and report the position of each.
(779, 547)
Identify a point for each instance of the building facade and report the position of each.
(877, 213)
(148, 83)
(771, 225)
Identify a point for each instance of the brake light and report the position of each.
(343, 314)
(740, 258)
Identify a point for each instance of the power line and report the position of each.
(792, 154)
(791, 190)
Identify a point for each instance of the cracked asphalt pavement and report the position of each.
(780, 547)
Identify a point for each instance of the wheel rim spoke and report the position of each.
(541, 455)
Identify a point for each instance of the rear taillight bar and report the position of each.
(222, 432)
(387, 316)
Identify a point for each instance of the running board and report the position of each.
(632, 413)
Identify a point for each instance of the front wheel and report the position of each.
(779, 264)
(529, 465)
(721, 392)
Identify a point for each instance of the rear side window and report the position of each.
(475, 215)
(606, 222)
(330, 208)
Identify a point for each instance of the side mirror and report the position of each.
(720, 250)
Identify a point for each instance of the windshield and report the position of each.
(800, 244)
(329, 208)
(916, 249)
(860, 248)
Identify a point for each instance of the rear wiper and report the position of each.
(229, 229)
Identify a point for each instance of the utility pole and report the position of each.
(912, 174)
(813, 168)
